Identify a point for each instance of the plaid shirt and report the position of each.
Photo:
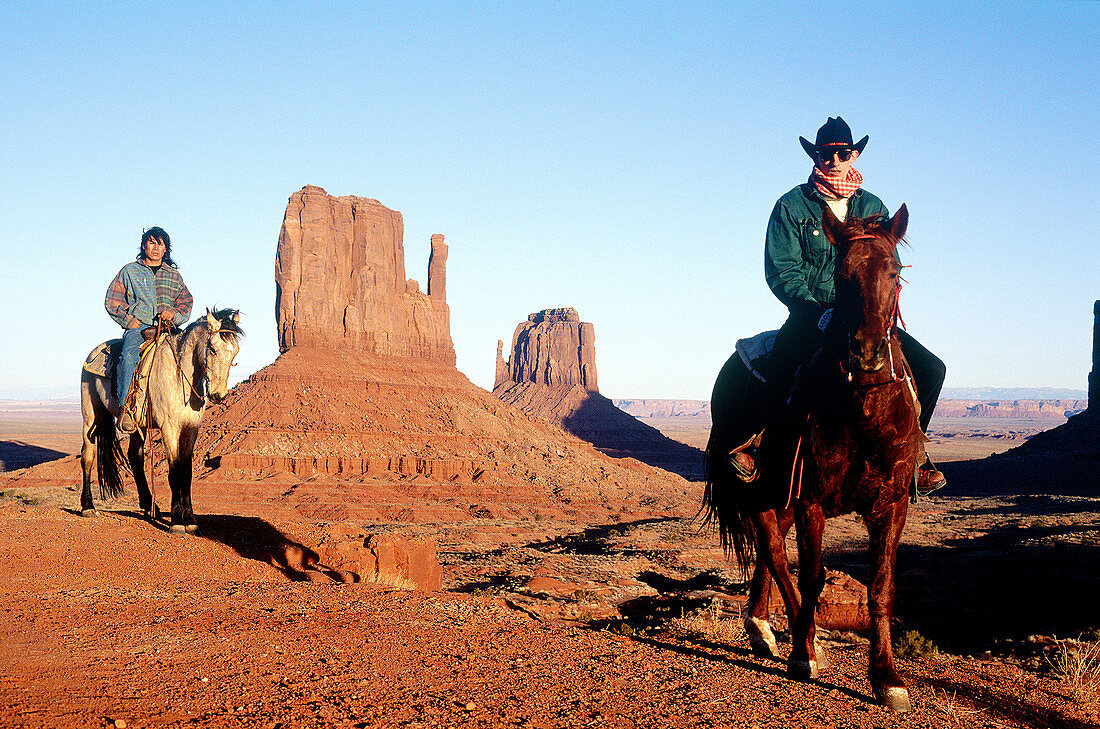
(136, 294)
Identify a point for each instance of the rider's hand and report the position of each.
(168, 317)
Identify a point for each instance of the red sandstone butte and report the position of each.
(340, 281)
(553, 347)
(551, 374)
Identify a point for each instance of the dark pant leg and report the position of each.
(795, 343)
(929, 372)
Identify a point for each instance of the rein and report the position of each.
(179, 372)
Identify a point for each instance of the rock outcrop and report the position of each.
(340, 281)
(551, 374)
(553, 347)
(364, 415)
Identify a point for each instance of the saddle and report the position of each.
(103, 360)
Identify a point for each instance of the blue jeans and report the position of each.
(127, 362)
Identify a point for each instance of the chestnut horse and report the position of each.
(849, 443)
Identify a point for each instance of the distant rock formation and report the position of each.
(364, 415)
(1040, 409)
(551, 374)
(655, 408)
(1094, 375)
(340, 281)
(553, 347)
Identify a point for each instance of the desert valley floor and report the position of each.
(558, 616)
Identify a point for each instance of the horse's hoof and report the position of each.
(763, 649)
(89, 513)
(177, 529)
(802, 670)
(895, 698)
(761, 638)
(191, 528)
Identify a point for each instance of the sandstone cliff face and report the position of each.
(553, 347)
(340, 281)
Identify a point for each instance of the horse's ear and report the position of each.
(899, 222)
(831, 225)
(236, 317)
(212, 321)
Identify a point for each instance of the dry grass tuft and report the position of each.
(1077, 664)
(708, 624)
(950, 714)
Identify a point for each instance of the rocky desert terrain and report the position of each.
(383, 544)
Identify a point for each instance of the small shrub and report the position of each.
(1092, 635)
(483, 592)
(914, 645)
(585, 617)
(621, 627)
(586, 596)
(1077, 664)
(709, 625)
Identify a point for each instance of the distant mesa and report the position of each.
(1061, 460)
(553, 347)
(551, 373)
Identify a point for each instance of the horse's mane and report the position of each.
(875, 225)
(224, 317)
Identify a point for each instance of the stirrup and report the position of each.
(746, 472)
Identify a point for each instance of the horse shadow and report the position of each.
(253, 538)
(15, 454)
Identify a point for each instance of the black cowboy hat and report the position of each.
(834, 134)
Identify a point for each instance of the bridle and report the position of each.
(889, 330)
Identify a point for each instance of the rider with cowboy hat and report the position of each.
(799, 263)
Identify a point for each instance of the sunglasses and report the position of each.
(844, 154)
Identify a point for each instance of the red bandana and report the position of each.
(834, 187)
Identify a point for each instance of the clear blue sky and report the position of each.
(620, 159)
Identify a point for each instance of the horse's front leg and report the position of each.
(758, 610)
(771, 547)
(885, 533)
(803, 663)
(135, 454)
(180, 455)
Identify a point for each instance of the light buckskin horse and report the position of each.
(187, 368)
(851, 447)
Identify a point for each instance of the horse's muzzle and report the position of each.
(870, 359)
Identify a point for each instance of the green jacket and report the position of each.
(799, 262)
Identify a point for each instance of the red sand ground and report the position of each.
(546, 620)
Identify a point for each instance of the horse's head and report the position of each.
(222, 346)
(867, 282)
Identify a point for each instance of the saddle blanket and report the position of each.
(755, 348)
(101, 362)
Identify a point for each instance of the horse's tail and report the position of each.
(109, 455)
(725, 507)
(728, 504)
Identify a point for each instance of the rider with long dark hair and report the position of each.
(146, 290)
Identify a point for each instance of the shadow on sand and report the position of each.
(15, 454)
(254, 538)
(621, 435)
